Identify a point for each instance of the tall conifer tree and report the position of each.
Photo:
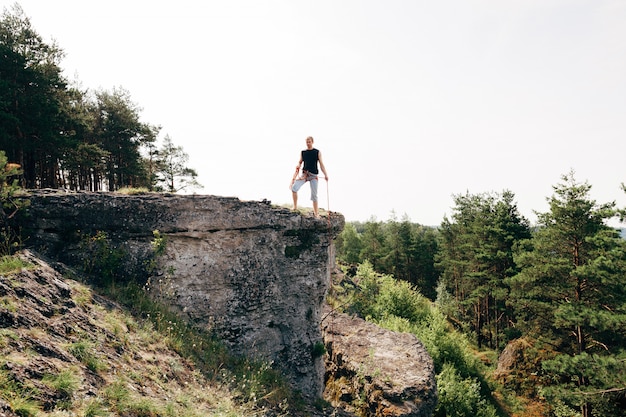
(571, 295)
(476, 256)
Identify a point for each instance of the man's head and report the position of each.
(309, 142)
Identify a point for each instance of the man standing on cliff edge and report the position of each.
(311, 157)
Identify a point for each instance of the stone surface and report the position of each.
(256, 274)
(376, 372)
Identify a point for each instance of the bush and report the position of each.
(396, 305)
(102, 260)
(459, 397)
(381, 296)
(400, 299)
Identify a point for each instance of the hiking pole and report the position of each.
(327, 199)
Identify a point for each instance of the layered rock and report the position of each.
(255, 274)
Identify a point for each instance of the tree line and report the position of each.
(559, 286)
(63, 136)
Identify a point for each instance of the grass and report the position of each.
(133, 190)
(11, 264)
(85, 351)
(65, 382)
(255, 382)
(19, 397)
(139, 361)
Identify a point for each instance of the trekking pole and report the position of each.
(328, 200)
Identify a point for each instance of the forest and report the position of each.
(63, 136)
(485, 275)
(555, 290)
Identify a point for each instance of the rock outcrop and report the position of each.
(256, 274)
(384, 372)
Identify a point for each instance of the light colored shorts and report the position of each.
(302, 179)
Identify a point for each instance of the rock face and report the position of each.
(391, 373)
(256, 274)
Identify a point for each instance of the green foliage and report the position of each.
(65, 137)
(170, 168)
(256, 381)
(10, 239)
(570, 294)
(402, 249)
(381, 296)
(318, 350)
(460, 396)
(96, 408)
(20, 397)
(560, 290)
(158, 245)
(10, 264)
(349, 245)
(305, 240)
(476, 257)
(85, 351)
(398, 306)
(102, 260)
(66, 382)
(117, 394)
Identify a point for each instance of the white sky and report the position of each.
(409, 101)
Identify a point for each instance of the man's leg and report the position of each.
(294, 191)
(314, 196)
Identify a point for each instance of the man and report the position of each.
(311, 158)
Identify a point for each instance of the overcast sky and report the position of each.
(410, 102)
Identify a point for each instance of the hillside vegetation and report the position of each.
(553, 297)
(66, 350)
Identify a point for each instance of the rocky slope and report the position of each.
(65, 351)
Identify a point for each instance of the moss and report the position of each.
(318, 349)
(307, 239)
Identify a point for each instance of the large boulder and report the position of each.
(376, 372)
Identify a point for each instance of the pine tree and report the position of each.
(349, 245)
(373, 241)
(476, 256)
(31, 94)
(571, 295)
(172, 172)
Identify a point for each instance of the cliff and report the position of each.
(255, 274)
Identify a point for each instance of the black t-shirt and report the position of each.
(310, 158)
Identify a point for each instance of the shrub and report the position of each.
(101, 260)
(460, 396)
(396, 305)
